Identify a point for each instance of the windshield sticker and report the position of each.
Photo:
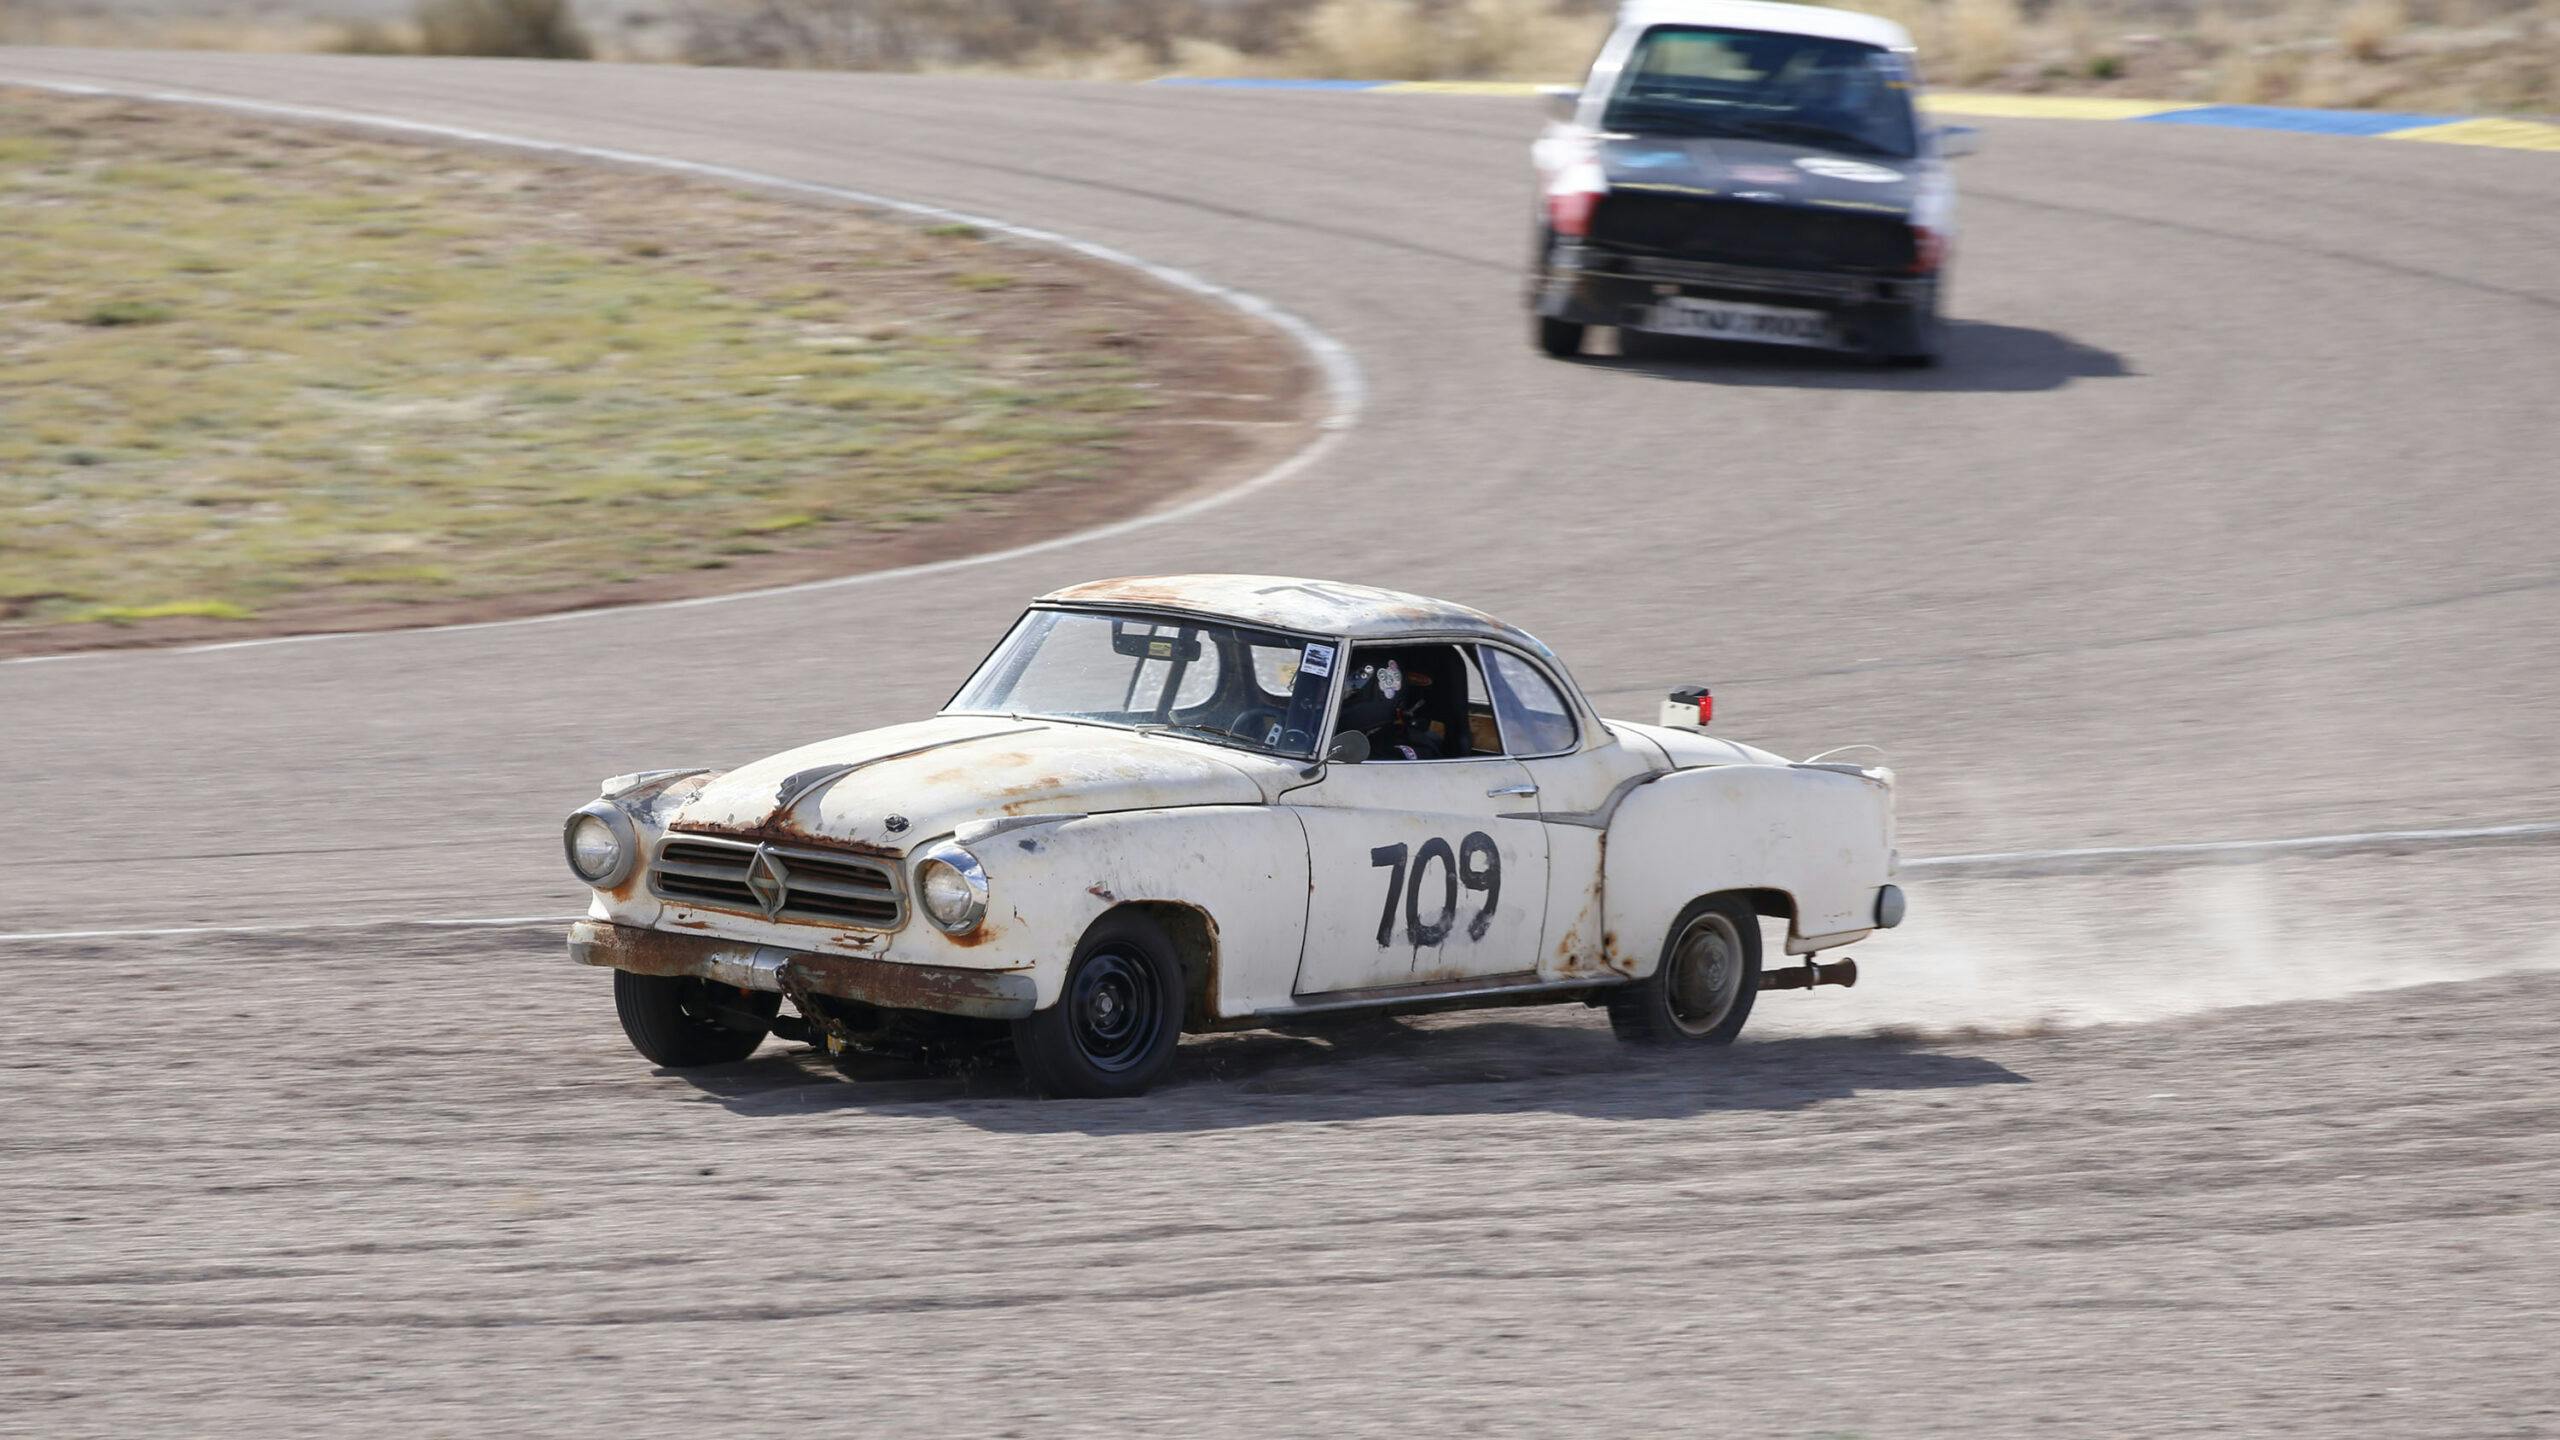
(1652, 159)
(1858, 170)
(1317, 661)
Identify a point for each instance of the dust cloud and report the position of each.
(2019, 956)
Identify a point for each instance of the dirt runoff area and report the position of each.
(267, 378)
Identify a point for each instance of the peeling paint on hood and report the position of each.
(888, 789)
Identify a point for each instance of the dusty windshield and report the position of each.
(1227, 684)
(1751, 85)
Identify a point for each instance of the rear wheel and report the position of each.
(681, 1022)
(1702, 991)
(1115, 1025)
(1921, 340)
(1560, 338)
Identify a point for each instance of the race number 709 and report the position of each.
(1475, 865)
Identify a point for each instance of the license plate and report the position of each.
(1733, 320)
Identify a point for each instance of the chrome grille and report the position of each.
(779, 882)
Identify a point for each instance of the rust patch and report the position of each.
(654, 952)
(691, 924)
(1166, 591)
(776, 829)
(896, 986)
(973, 939)
(1102, 894)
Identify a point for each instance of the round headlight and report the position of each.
(601, 845)
(952, 888)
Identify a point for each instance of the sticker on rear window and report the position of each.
(1317, 661)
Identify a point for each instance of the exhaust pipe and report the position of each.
(1809, 974)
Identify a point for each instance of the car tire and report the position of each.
(681, 1022)
(1117, 1020)
(1924, 343)
(1560, 338)
(1701, 993)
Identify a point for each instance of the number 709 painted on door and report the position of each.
(1476, 864)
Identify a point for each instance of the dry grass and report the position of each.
(526, 29)
(2452, 56)
(248, 369)
(2368, 30)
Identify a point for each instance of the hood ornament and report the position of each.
(769, 880)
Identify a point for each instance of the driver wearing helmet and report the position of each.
(1384, 702)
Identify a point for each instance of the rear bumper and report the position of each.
(889, 984)
(1882, 313)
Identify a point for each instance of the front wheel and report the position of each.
(1115, 1025)
(1702, 991)
(1560, 338)
(680, 1022)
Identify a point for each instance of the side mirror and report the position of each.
(1559, 101)
(1348, 748)
(1957, 141)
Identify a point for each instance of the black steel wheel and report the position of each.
(1702, 991)
(681, 1022)
(1114, 1027)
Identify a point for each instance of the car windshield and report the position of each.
(1202, 679)
(1748, 84)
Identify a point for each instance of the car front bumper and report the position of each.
(889, 984)
(1877, 313)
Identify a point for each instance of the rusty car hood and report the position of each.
(892, 788)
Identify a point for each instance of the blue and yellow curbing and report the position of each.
(2503, 134)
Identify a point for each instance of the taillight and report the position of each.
(1573, 195)
(1928, 247)
(1569, 211)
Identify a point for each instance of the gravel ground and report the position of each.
(2228, 517)
(328, 1183)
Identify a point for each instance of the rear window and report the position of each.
(1804, 90)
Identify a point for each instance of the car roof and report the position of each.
(1780, 18)
(1314, 607)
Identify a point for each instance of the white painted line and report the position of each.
(2006, 862)
(1346, 390)
(284, 927)
(2025, 862)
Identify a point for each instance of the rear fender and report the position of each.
(1815, 844)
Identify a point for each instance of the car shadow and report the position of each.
(1380, 1070)
(1980, 357)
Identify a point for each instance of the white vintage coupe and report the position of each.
(1213, 802)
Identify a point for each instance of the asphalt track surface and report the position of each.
(2231, 514)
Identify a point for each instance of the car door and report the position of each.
(1576, 771)
(1424, 871)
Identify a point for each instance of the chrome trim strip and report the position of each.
(1596, 819)
(1524, 982)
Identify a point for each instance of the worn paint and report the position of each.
(1633, 821)
(1313, 607)
(872, 981)
(976, 768)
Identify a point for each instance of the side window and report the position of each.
(1411, 701)
(1535, 719)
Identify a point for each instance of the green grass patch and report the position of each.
(230, 386)
(165, 610)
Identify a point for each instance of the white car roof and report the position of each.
(1766, 15)
(1311, 607)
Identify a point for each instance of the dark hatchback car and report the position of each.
(1747, 171)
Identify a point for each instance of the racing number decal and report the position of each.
(1476, 865)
